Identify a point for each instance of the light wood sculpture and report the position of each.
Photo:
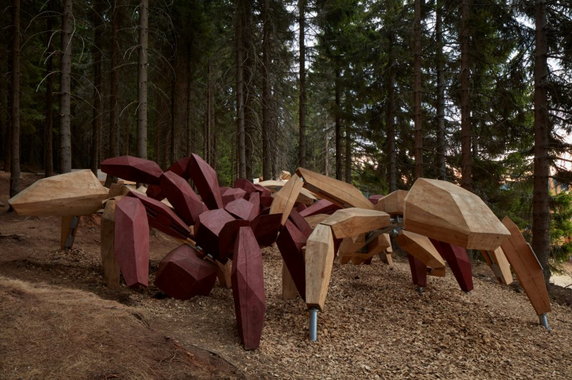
(527, 268)
(422, 249)
(108, 259)
(338, 192)
(285, 198)
(305, 196)
(350, 222)
(499, 264)
(319, 262)
(393, 203)
(71, 194)
(443, 211)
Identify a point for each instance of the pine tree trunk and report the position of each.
(302, 68)
(266, 94)
(15, 103)
(114, 80)
(190, 136)
(142, 80)
(348, 155)
(65, 89)
(240, 133)
(440, 106)
(49, 116)
(390, 123)
(98, 86)
(417, 91)
(541, 197)
(249, 89)
(466, 129)
(338, 124)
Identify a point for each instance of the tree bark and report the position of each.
(302, 73)
(390, 121)
(114, 80)
(97, 121)
(338, 124)
(49, 116)
(249, 68)
(348, 155)
(240, 133)
(15, 103)
(440, 106)
(65, 89)
(541, 198)
(266, 94)
(142, 80)
(466, 129)
(417, 91)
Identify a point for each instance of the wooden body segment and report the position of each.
(319, 262)
(418, 271)
(111, 273)
(266, 227)
(422, 249)
(499, 265)
(232, 194)
(209, 228)
(180, 194)
(289, 290)
(285, 198)
(338, 192)
(132, 169)
(349, 222)
(443, 211)
(248, 288)
(458, 261)
(527, 268)
(322, 206)
(69, 227)
(71, 194)
(242, 209)
(290, 243)
(132, 241)
(206, 181)
(393, 203)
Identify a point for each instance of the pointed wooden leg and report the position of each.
(224, 274)
(68, 231)
(289, 290)
(458, 261)
(418, 271)
(108, 260)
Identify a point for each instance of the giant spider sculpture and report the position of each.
(312, 218)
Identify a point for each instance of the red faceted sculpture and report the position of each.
(206, 181)
(208, 229)
(290, 243)
(266, 227)
(321, 207)
(418, 271)
(227, 238)
(232, 194)
(242, 209)
(300, 223)
(132, 169)
(162, 217)
(132, 241)
(248, 288)
(186, 202)
(458, 261)
(183, 274)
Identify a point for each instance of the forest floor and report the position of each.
(59, 321)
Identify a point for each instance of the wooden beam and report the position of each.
(422, 249)
(338, 192)
(285, 198)
(109, 263)
(69, 227)
(499, 264)
(527, 268)
(444, 211)
(351, 222)
(289, 290)
(458, 261)
(319, 262)
(393, 203)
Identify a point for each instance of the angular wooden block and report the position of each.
(254, 198)
(322, 206)
(182, 167)
(185, 201)
(314, 220)
(155, 192)
(132, 241)
(422, 249)
(338, 192)
(162, 217)
(375, 198)
(208, 229)
(224, 273)
(71, 194)
(349, 247)
(183, 274)
(285, 198)
(290, 243)
(300, 223)
(527, 268)
(319, 262)
(242, 209)
(205, 179)
(248, 288)
(266, 227)
(444, 211)
(458, 261)
(245, 185)
(109, 262)
(69, 227)
(132, 169)
(349, 222)
(499, 265)
(418, 271)
(381, 246)
(232, 194)
(393, 203)
(227, 238)
(289, 290)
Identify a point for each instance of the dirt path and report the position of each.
(58, 320)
